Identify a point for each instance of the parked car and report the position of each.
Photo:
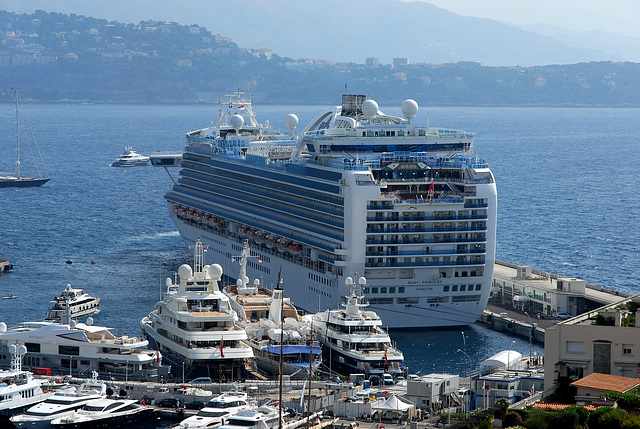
(201, 380)
(563, 316)
(168, 403)
(375, 380)
(195, 405)
(387, 379)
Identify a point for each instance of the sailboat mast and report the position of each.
(17, 136)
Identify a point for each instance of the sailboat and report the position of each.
(15, 180)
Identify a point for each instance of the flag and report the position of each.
(204, 248)
(385, 357)
(260, 260)
(221, 344)
(431, 187)
(241, 107)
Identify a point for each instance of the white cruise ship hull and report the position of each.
(221, 249)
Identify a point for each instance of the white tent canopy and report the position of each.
(392, 408)
(504, 359)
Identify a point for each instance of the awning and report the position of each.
(521, 298)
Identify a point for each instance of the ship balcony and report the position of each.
(425, 240)
(398, 219)
(414, 230)
(395, 263)
(402, 253)
(475, 205)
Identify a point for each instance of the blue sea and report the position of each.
(568, 204)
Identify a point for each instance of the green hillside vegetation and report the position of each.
(54, 57)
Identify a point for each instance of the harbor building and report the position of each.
(434, 391)
(590, 388)
(513, 385)
(544, 294)
(605, 341)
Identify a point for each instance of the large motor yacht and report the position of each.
(195, 327)
(353, 340)
(72, 304)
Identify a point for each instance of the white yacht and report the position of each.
(353, 340)
(194, 325)
(19, 389)
(107, 413)
(79, 348)
(72, 304)
(271, 321)
(408, 205)
(62, 403)
(130, 158)
(263, 417)
(216, 411)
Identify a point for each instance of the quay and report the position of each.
(525, 301)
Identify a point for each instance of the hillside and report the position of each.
(55, 57)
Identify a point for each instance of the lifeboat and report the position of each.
(176, 208)
(183, 210)
(282, 245)
(198, 215)
(242, 230)
(295, 248)
(270, 240)
(259, 237)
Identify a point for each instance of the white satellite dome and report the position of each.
(369, 108)
(168, 282)
(72, 324)
(185, 271)
(236, 121)
(3, 327)
(409, 108)
(89, 320)
(23, 350)
(291, 121)
(215, 271)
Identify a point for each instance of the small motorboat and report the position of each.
(10, 297)
(130, 158)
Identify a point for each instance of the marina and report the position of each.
(134, 245)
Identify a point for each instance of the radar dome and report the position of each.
(12, 349)
(370, 108)
(3, 327)
(362, 281)
(168, 282)
(215, 271)
(23, 349)
(72, 324)
(256, 282)
(89, 320)
(185, 271)
(348, 281)
(291, 121)
(409, 108)
(236, 121)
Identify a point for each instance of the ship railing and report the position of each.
(427, 241)
(436, 230)
(453, 218)
(391, 264)
(423, 252)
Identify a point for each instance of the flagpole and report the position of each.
(281, 348)
(310, 370)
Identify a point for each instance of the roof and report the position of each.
(560, 407)
(604, 382)
(392, 403)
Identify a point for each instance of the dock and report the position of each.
(522, 297)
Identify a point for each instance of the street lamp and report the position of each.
(464, 344)
(464, 361)
(530, 331)
(508, 353)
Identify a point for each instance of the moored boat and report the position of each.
(72, 304)
(408, 205)
(352, 338)
(130, 158)
(108, 413)
(195, 327)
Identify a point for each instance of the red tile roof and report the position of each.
(607, 382)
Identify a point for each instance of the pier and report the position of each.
(523, 298)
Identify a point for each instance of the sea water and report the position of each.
(568, 203)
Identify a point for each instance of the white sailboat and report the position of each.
(15, 180)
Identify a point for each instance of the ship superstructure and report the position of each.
(357, 192)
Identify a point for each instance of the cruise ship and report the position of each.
(355, 193)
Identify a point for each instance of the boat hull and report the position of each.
(393, 316)
(23, 182)
(146, 417)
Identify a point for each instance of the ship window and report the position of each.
(462, 288)
(383, 290)
(445, 288)
(478, 287)
(454, 288)
(392, 290)
(401, 289)
(374, 290)
(32, 347)
(68, 350)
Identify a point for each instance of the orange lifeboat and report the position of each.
(282, 245)
(270, 240)
(295, 248)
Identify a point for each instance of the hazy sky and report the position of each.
(615, 16)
